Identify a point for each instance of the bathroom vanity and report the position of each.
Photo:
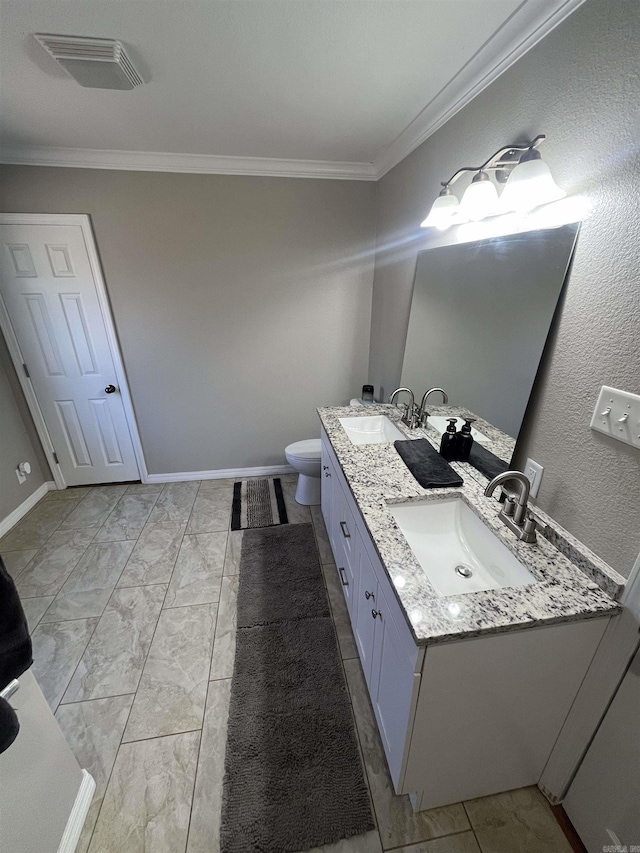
(470, 689)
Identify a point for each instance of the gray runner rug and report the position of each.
(293, 775)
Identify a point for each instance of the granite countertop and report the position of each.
(572, 582)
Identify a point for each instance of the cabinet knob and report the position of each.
(368, 595)
(342, 577)
(375, 613)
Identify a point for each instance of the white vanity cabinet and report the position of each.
(460, 719)
(388, 653)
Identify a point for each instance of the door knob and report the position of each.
(110, 389)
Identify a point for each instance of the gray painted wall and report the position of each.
(581, 87)
(18, 440)
(241, 303)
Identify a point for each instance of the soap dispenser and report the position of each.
(449, 442)
(465, 440)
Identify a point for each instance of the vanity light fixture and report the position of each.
(480, 198)
(530, 185)
(527, 179)
(443, 211)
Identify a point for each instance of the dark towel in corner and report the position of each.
(486, 462)
(15, 643)
(430, 469)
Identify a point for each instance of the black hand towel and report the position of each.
(486, 462)
(15, 643)
(430, 469)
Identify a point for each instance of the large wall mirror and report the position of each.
(480, 317)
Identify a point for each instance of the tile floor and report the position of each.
(130, 594)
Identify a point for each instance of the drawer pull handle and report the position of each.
(342, 577)
(345, 529)
(369, 595)
(327, 474)
(375, 613)
(325, 467)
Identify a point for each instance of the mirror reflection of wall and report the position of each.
(480, 316)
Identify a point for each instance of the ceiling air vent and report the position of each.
(96, 63)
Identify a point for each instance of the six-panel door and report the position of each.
(50, 295)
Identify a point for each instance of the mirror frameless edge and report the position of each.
(480, 317)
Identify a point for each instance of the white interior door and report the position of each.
(51, 298)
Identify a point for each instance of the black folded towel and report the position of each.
(486, 462)
(430, 469)
(15, 643)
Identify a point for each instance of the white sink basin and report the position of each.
(445, 535)
(377, 429)
(441, 423)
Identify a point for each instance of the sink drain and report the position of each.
(463, 571)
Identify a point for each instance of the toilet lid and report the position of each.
(310, 448)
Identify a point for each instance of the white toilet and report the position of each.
(304, 456)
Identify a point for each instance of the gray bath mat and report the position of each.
(293, 776)
(258, 503)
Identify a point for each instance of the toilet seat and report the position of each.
(310, 448)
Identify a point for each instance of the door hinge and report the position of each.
(55, 458)
(26, 370)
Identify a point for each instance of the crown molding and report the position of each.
(204, 164)
(525, 27)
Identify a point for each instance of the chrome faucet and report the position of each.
(514, 514)
(410, 413)
(423, 414)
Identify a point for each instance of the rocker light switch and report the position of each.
(617, 414)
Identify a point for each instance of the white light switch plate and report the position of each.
(609, 415)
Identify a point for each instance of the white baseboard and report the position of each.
(20, 511)
(220, 474)
(72, 830)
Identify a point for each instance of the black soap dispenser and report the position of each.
(449, 442)
(465, 440)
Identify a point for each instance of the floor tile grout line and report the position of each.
(94, 699)
(155, 737)
(473, 829)
(426, 841)
(195, 775)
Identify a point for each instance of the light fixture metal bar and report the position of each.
(496, 160)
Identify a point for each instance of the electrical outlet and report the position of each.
(534, 473)
(22, 478)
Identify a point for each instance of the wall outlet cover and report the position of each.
(534, 473)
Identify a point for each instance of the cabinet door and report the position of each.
(364, 625)
(392, 685)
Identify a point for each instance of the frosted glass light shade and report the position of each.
(530, 185)
(443, 212)
(480, 199)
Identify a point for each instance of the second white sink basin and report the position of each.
(441, 423)
(456, 550)
(376, 429)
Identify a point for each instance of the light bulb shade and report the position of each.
(480, 199)
(443, 212)
(530, 185)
